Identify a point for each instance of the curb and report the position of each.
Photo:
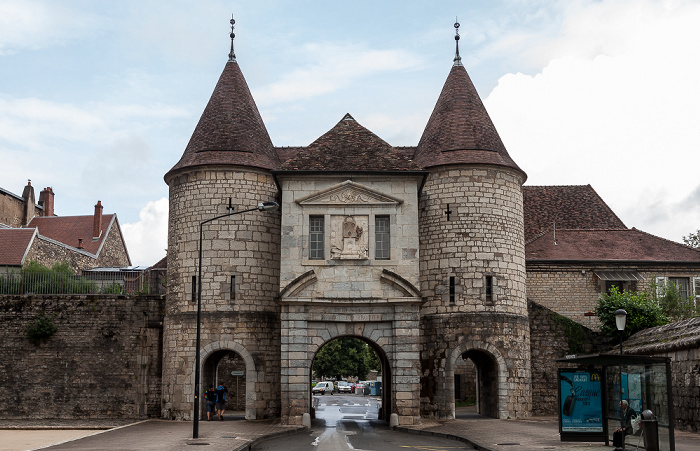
(458, 438)
(249, 446)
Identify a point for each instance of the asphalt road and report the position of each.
(349, 422)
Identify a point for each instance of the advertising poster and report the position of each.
(580, 395)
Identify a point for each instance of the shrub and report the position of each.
(642, 312)
(42, 327)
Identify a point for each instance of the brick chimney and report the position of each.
(46, 201)
(28, 207)
(97, 221)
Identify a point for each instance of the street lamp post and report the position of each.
(262, 206)
(620, 321)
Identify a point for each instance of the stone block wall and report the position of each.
(104, 360)
(548, 342)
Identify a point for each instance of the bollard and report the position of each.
(650, 431)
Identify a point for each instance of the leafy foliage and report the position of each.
(42, 327)
(693, 239)
(673, 304)
(345, 356)
(60, 278)
(576, 337)
(642, 312)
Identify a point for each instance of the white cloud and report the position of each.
(147, 239)
(616, 107)
(332, 67)
(39, 24)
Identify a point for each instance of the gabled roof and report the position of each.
(460, 130)
(629, 245)
(231, 130)
(349, 146)
(68, 229)
(14, 245)
(569, 207)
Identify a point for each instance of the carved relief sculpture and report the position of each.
(348, 237)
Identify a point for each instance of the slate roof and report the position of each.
(460, 130)
(231, 130)
(570, 207)
(629, 245)
(14, 245)
(349, 146)
(67, 230)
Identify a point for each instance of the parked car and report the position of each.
(344, 387)
(322, 388)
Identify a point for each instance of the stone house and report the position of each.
(577, 248)
(34, 233)
(427, 253)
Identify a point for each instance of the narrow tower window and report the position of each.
(233, 288)
(489, 288)
(382, 238)
(452, 289)
(194, 288)
(316, 238)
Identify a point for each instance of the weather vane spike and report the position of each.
(458, 59)
(232, 55)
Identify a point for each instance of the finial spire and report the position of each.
(232, 55)
(458, 59)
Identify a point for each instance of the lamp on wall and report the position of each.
(262, 206)
(620, 321)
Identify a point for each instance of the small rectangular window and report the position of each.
(489, 288)
(233, 288)
(316, 238)
(194, 288)
(682, 285)
(382, 238)
(452, 289)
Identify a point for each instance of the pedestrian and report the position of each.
(625, 425)
(221, 401)
(210, 396)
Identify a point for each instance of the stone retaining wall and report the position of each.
(103, 361)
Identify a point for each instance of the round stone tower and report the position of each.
(225, 165)
(472, 259)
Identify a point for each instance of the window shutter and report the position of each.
(660, 284)
(696, 288)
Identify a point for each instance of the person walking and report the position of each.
(221, 401)
(210, 396)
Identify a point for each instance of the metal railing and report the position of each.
(114, 283)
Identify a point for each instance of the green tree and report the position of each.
(672, 303)
(693, 239)
(343, 357)
(642, 312)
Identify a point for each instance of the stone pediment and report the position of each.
(348, 193)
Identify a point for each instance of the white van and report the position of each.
(323, 388)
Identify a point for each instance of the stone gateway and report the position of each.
(418, 251)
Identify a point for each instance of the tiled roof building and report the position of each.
(428, 253)
(83, 242)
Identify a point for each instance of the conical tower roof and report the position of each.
(349, 146)
(460, 130)
(231, 130)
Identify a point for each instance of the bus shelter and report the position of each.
(590, 391)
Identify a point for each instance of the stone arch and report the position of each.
(484, 355)
(250, 371)
(377, 337)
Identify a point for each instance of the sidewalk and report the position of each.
(234, 434)
(537, 433)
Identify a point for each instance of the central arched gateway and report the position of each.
(391, 329)
(386, 371)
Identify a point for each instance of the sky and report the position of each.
(98, 99)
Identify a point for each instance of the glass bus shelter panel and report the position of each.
(645, 388)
